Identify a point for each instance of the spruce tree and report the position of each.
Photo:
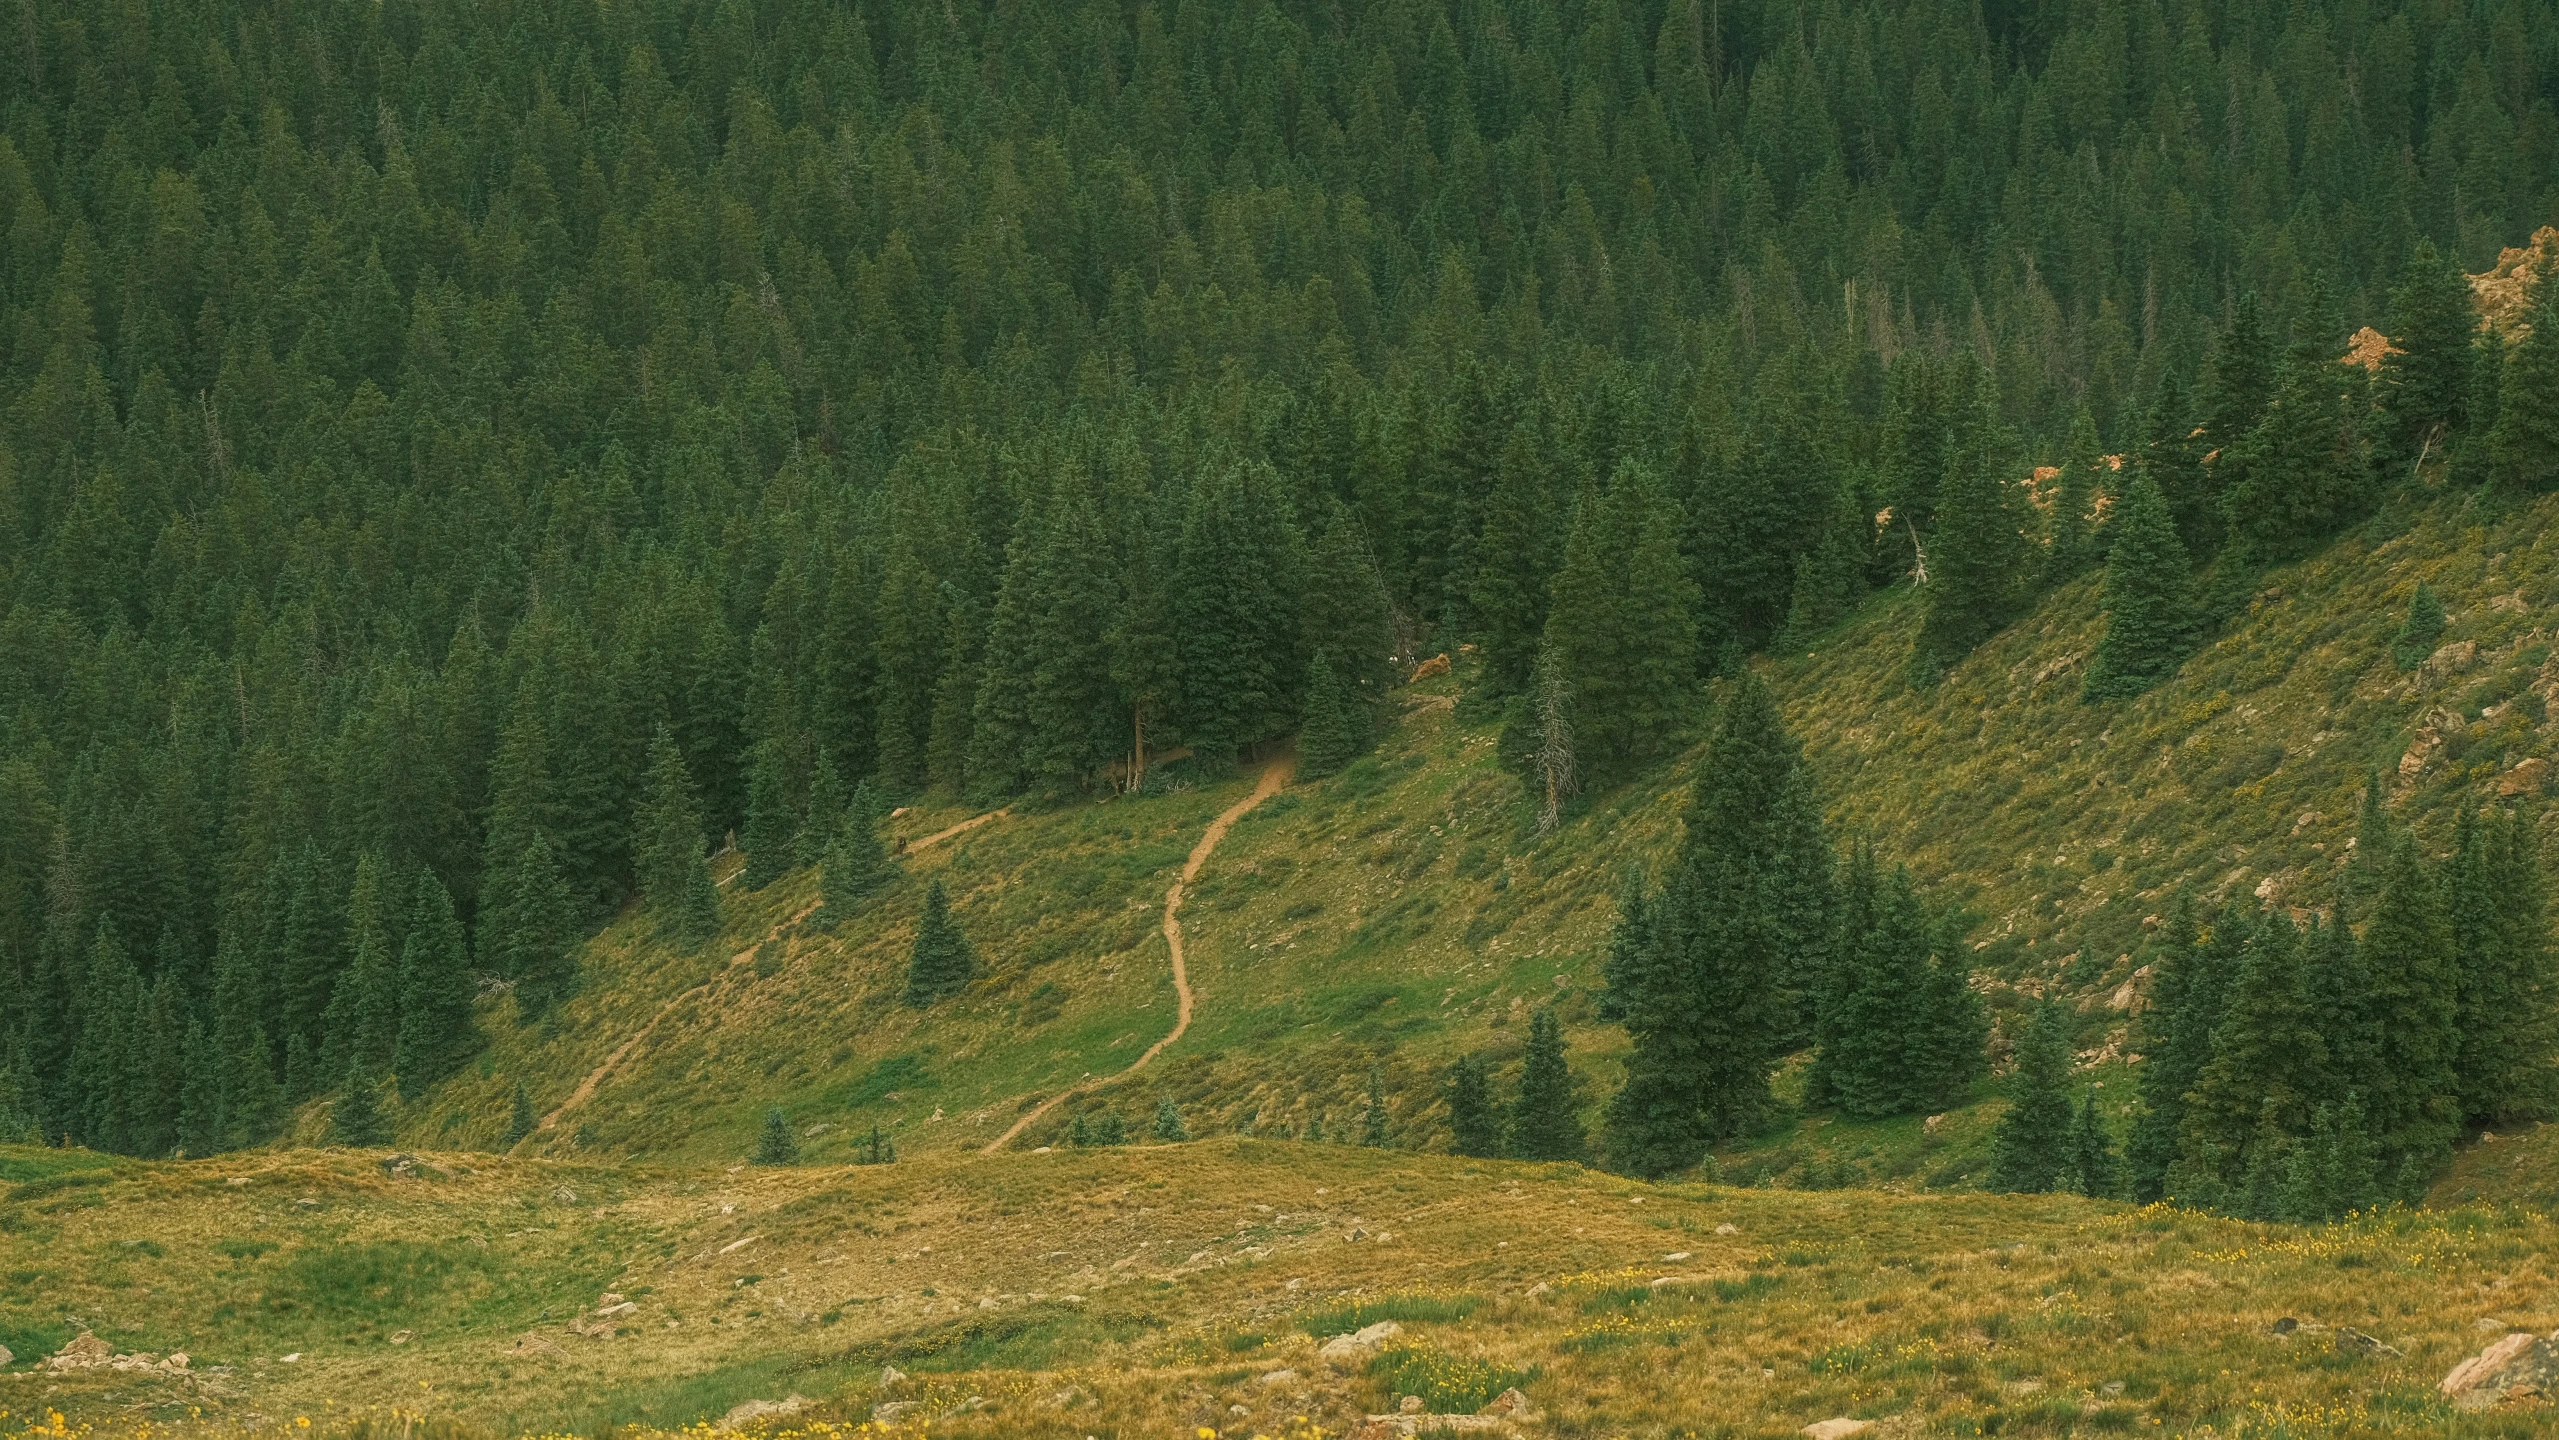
(2523, 448)
(1622, 621)
(356, 1120)
(520, 1118)
(1746, 903)
(1346, 610)
(1111, 1129)
(1373, 1130)
(2420, 390)
(1519, 538)
(1474, 1128)
(1331, 735)
(2508, 1025)
(1545, 1121)
(2239, 375)
(2353, 1172)
(776, 1145)
(1978, 561)
(1873, 1022)
(827, 806)
(942, 961)
(2095, 1170)
(2296, 476)
(1000, 710)
(2030, 1149)
(540, 936)
(436, 991)
(856, 863)
(1233, 635)
(1949, 1048)
(770, 821)
(1169, 1128)
(675, 874)
(2174, 1035)
(2415, 1102)
(2149, 597)
(2268, 1065)
(2419, 632)
(2071, 546)
(1073, 704)
(363, 1019)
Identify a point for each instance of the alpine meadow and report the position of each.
(1272, 720)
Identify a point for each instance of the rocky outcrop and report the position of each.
(2522, 1366)
(1351, 1349)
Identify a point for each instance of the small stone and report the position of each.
(292, 1359)
(1511, 1405)
(747, 1411)
(1275, 1378)
(882, 1414)
(607, 1299)
(2287, 1325)
(625, 1308)
(891, 1377)
(402, 1337)
(1728, 1228)
(1239, 1410)
(1676, 1255)
(2111, 1387)
(1839, 1429)
(1540, 1290)
(1410, 1404)
(5, 1357)
(2490, 1325)
(565, 1195)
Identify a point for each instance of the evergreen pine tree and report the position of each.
(675, 874)
(1373, 1123)
(877, 1150)
(1830, 577)
(827, 805)
(1622, 621)
(942, 961)
(2353, 1174)
(1347, 611)
(2421, 387)
(2415, 1102)
(856, 864)
(770, 821)
(540, 938)
(775, 1144)
(1169, 1128)
(1000, 709)
(1474, 1128)
(520, 1116)
(356, 1120)
(2508, 1027)
(2149, 596)
(1979, 564)
(2239, 375)
(1518, 537)
(199, 1101)
(436, 991)
(363, 1019)
(2268, 1064)
(2030, 1149)
(1232, 633)
(2296, 477)
(2523, 448)
(1949, 1048)
(2309, 1173)
(520, 1119)
(2071, 545)
(2095, 1170)
(1331, 735)
(1112, 1129)
(1545, 1122)
(2418, 633)
(2174, 1036)
(1073, 702)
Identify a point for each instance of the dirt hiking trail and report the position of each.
(586, 1088)
(1274, 776)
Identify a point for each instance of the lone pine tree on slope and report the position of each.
(943, 961)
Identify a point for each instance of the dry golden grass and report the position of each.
(1146, 1291)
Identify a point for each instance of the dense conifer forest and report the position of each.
(463, 465)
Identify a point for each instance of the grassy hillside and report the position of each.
(1157, 1290)
(1405, 911)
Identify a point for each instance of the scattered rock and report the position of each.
(2111, 1388)
(2024, 1387)
(1356, 1234)
(606, 1300)
(1839, 1429)
(613, 1311)
(883, 1413)
(736, 1245)
(1729, 1228)
(399, 1167)
(565, 1195)
(177, 1361)
(1540, 1289)
(1676, 1255)
(1510, 1405)
(6, 1358)
(891, 1377)
(1276, 1378)
(1410, 1404)
(1347, 1350)
(1430, 669)
(746, 1412)
(402, 1337)
(293, 1359)
(2448, 661)
(2528, 778)
(82, 1353)
(2490, 1325)
(2517, 1367)
(2287, 1325)
(2347, 1339)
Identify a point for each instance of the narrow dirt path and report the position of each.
(586, 1087)
(1274, 776)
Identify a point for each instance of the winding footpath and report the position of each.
(1274, 776)
(586, 1087)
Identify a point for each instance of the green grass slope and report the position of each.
(1405, 911)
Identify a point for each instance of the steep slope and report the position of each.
(1405, 911)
